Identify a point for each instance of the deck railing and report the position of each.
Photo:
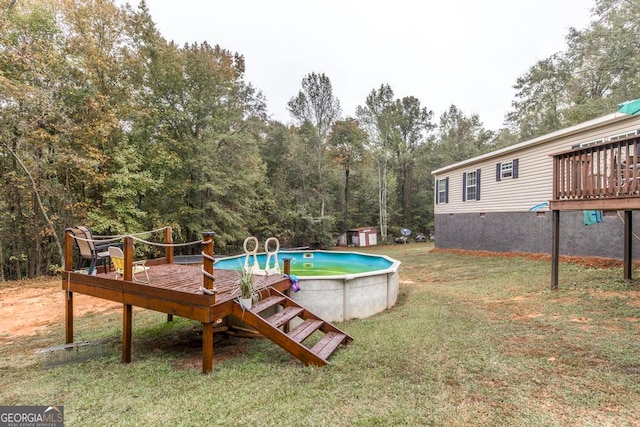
(600, 171)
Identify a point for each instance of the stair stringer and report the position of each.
(274, 334)
(279, 337)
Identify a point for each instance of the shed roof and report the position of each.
(363, 229)
(580, 127)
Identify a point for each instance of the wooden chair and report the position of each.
(88, 248)
(117, 257)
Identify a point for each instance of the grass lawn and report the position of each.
(472, 341)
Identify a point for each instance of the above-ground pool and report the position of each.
(336, 285)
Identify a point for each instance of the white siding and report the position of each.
(535, 175)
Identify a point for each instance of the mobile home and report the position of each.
(499, 201)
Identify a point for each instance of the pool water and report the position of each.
(316, 263)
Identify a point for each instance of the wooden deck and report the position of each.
(172, 289)
(603, 176)
(187, 291)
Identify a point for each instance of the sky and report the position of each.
(468, 53)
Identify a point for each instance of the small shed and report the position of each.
(363, 236)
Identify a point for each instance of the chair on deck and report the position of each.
(117, 257)
(88, 248)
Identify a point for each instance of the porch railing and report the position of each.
(601, 171)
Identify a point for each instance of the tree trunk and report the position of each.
(382, 197)
(40, 205)
(35, 255)
(346, 200)
(320, 183)
(1, 262)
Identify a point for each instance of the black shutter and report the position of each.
(437, 188)
(515, 168)
(464, 187)
(478, 184)
(446, 190)
(498, 171)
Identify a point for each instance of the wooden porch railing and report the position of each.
(608, 170)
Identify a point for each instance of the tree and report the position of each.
(32, 120)
(414, 123)
(460, 137)
(108, 166)
(315, 104)
(541, 98)
(597, 71)
(378, 118)
(106, 123)
(346, 142)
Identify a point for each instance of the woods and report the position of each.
(106, 123)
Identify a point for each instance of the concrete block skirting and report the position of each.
(531, 232)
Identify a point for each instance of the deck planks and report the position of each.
(171, 282)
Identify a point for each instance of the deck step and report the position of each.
(270, 326)
(267, 303)
(328, 344)
(283, 316)
(305, 329)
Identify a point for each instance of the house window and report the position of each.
(471, 185)
(506, 170)
(442, 191)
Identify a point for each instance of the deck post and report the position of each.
(628, 246)
(168, 239)
(127, 312)
(128, 258)
(207, 327)
(207, 241)
(287, 270)
(127, 317)
(207, 348)
(68, 301)
(168, 253)
(555, 248)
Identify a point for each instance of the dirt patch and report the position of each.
(29, 307)
(526, 316)
(595, 262)
(225, 347)
(632, 296)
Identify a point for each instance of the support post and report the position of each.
(68, 250)
(127, 312)
(207, 241)
(628, 246)
(127, 318)
(168, 239)
(287, 271)
(168, 253)
(68, 314)
(207, 348)
(555, 248)
(128, 258)
(287, 265)
(207, 328)
(68, 301)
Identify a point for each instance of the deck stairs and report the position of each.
(271, 316)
